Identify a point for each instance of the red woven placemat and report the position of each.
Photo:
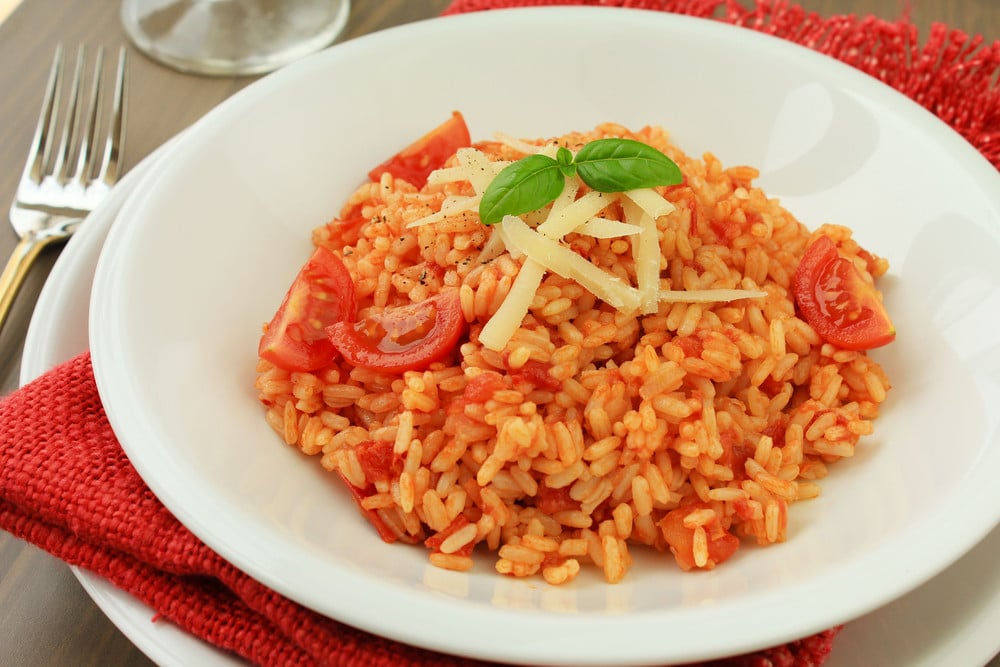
(67, 487)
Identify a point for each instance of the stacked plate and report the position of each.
(196, 247)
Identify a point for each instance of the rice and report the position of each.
(690, 430)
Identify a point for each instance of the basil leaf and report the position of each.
(565, 159)
(617, 165)
(526, 185)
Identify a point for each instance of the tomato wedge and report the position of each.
(836, 300)
(322, 293)
(415, 162)
(409, 337)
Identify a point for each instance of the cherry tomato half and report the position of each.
(322, 293)
(838, 302)
(415, 162)
(404, 338)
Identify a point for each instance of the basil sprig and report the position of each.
(606, 165)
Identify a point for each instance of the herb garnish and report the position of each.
(606, 165)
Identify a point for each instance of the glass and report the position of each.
(232, 37)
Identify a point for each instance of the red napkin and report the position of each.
(67, 487)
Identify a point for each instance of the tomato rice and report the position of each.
(690, 431)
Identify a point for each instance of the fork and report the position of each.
(62, 183)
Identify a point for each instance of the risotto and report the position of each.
(575, 429)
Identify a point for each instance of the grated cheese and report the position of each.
(650, 201)
(646, 254)
(481, 169)
(709, 295)
(575, 214)
(451, 206)
(604, 228)
(522, 146)
(561, 260)
(538, 238)
(492, 249)
(473, 166)
(565, 198)
(514, 307)
(444, 175)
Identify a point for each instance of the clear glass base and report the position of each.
(232, 37)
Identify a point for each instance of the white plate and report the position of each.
(951, 620)
(58, 332)
(205, 253)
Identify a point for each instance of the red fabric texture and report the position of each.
(67, 486)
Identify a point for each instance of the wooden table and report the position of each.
(46, 618)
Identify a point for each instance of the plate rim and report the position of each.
(123, 609)
(164, 643)
(380, 627)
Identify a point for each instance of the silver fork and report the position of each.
(63, 182)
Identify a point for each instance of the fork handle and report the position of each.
(21, 259)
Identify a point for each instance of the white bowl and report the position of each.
(198, 260)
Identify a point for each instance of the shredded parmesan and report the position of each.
(451, 206)
(650, 201)
(565, 198)
(575, 214)
(538, 237)
(448, 175)
(473, 166)
(481, 169)
(647, 255)
(604, 228)
(709, 295)
(520, 145)
(492, 249)
(511, 312)
(561, 260)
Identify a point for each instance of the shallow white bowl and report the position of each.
(197, 261)
(964, 600)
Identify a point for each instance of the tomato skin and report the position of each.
(435, 541)
(409, 337)
(321, 294)
(721, 543)
(535, 373)
(550, 501)
(837, 302)
(380, 464)
(378, 460)
(482, 387)
(387, 534)
(415, 162)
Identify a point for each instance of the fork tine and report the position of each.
(111, 163)
(38, 154)
(47, 208)
(88, 125)
(70, 124)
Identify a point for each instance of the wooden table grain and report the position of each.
(46, 618)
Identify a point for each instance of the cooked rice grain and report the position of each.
(603, 423)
